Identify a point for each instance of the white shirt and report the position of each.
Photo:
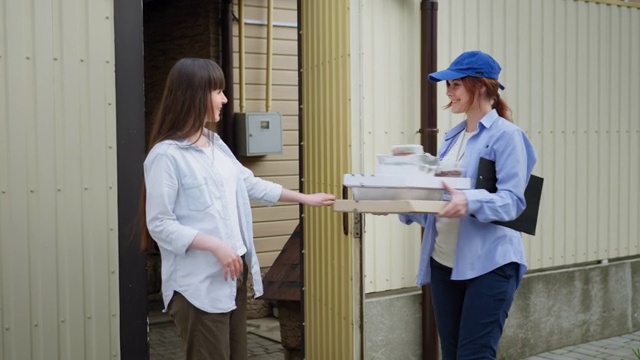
(187, 195)
(444, 250)
(229, 176)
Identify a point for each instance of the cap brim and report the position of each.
(450, 75)
(445, 75)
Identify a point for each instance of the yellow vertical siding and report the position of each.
(58, 203)
(272, 225)
(328, 257)
(571, 74)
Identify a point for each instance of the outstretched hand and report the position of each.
(457, 206)
(319, 199)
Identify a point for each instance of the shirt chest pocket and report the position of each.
(197, 194)
(487, 151)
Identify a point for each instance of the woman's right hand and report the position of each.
(228, 258)
(231, 262)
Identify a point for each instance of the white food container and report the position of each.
(405, 170)
(406, 165)
(418, 159)
(400, 187)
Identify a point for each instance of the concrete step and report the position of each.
(268, 328)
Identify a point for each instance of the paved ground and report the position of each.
(165, 342)
(165, 345)
(616, 348)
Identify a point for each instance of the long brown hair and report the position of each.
(473, 86)
(186, 103)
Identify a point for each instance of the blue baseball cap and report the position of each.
(470, 63)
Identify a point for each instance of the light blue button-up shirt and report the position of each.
(483, 246)
(185, 195)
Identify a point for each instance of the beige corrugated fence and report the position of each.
(58, 197)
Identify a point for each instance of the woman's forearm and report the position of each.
(205, 242)
(317, 199)
(227, 257)
(292, 196)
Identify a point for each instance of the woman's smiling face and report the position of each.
(217, 100)
(458, 96)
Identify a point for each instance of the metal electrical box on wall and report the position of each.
(258, 133)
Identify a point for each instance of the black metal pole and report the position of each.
(429, 64)
(428, 138)
(130, 135)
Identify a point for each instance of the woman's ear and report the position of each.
(481, 92)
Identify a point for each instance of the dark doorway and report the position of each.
(173, 29)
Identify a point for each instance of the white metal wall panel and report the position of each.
(572, 78)
(58, 198)
(386, 110)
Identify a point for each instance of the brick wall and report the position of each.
(173, 30)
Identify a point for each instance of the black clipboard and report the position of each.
(528, 220)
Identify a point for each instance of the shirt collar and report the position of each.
(486, 121)
(490, 118)
(212, 135)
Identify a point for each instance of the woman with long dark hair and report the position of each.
(198, 212)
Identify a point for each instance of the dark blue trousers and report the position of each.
(470, 314)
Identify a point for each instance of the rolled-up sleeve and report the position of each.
(161, 183)
(410, 218)
(259, 189)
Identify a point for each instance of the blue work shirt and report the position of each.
(483, 246)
